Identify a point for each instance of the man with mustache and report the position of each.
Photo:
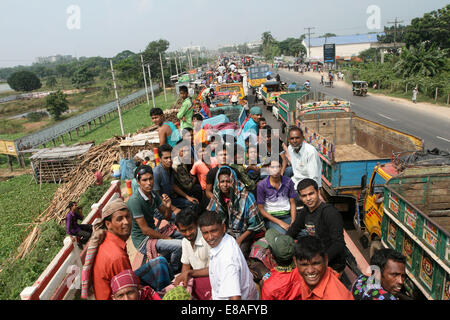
(322, 220)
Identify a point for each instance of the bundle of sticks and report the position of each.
(100, 158)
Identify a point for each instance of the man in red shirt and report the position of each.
(318, 281)
(284, 280)
(112, 257)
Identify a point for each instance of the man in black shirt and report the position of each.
(322, 220)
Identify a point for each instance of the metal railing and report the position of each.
(69, 125)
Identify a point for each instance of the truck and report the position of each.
(284, 110)
(368, 219)
(270, 92)
(350, 146)
(257, 75)
(416, 222)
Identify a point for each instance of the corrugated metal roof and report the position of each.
(350, 39)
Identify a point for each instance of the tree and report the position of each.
(82, 78)
(433, 28)
(56, 104)
(24, 81)
(420, 61)
(151, 55)
(327, 35)
(51, 82)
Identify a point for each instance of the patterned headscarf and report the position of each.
(241, 212)
(125, 279)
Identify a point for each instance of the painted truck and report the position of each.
(270, 92)
(284, 110)
(370, 210)
(257, 75)
(350, 147)
(416, 222)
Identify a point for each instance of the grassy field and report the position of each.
(21, 201)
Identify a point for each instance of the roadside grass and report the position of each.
(21, 201)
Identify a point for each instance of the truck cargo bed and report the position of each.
(350, 152)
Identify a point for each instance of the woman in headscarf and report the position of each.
(237, 208)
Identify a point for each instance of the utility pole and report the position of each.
(117, 98)
(145, 80)
(395, 23)
(176, 64)
(309, 41)
(151, 85)
(162, 73)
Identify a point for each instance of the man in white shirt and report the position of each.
(195, 255)
(229, 274)
(304, 158)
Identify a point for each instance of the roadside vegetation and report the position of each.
(424, 61)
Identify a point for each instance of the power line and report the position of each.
(395, 23)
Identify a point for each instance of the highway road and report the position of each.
(430, 126)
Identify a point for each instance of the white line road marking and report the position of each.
(386, 117)
(442, 138)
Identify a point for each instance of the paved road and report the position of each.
(433, 129)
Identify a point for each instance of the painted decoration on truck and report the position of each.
(447, 252)
(427, 270)
(446, 289)
(392, 234)
(407, 251)
(410, 218)
(393, 203)
(322, 145)
(430, 234)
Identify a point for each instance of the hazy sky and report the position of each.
(33, 28)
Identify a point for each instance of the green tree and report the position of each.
(56, 104)
(151, 55)
(24, 81)
(51, 82)
(421, 61)
(82, 78)
(433, 28)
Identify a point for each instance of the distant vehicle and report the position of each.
(359, 88)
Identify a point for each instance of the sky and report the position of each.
(34, 28)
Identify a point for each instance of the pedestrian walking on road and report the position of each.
(414, 96)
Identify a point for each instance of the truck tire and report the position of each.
(374, 246)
